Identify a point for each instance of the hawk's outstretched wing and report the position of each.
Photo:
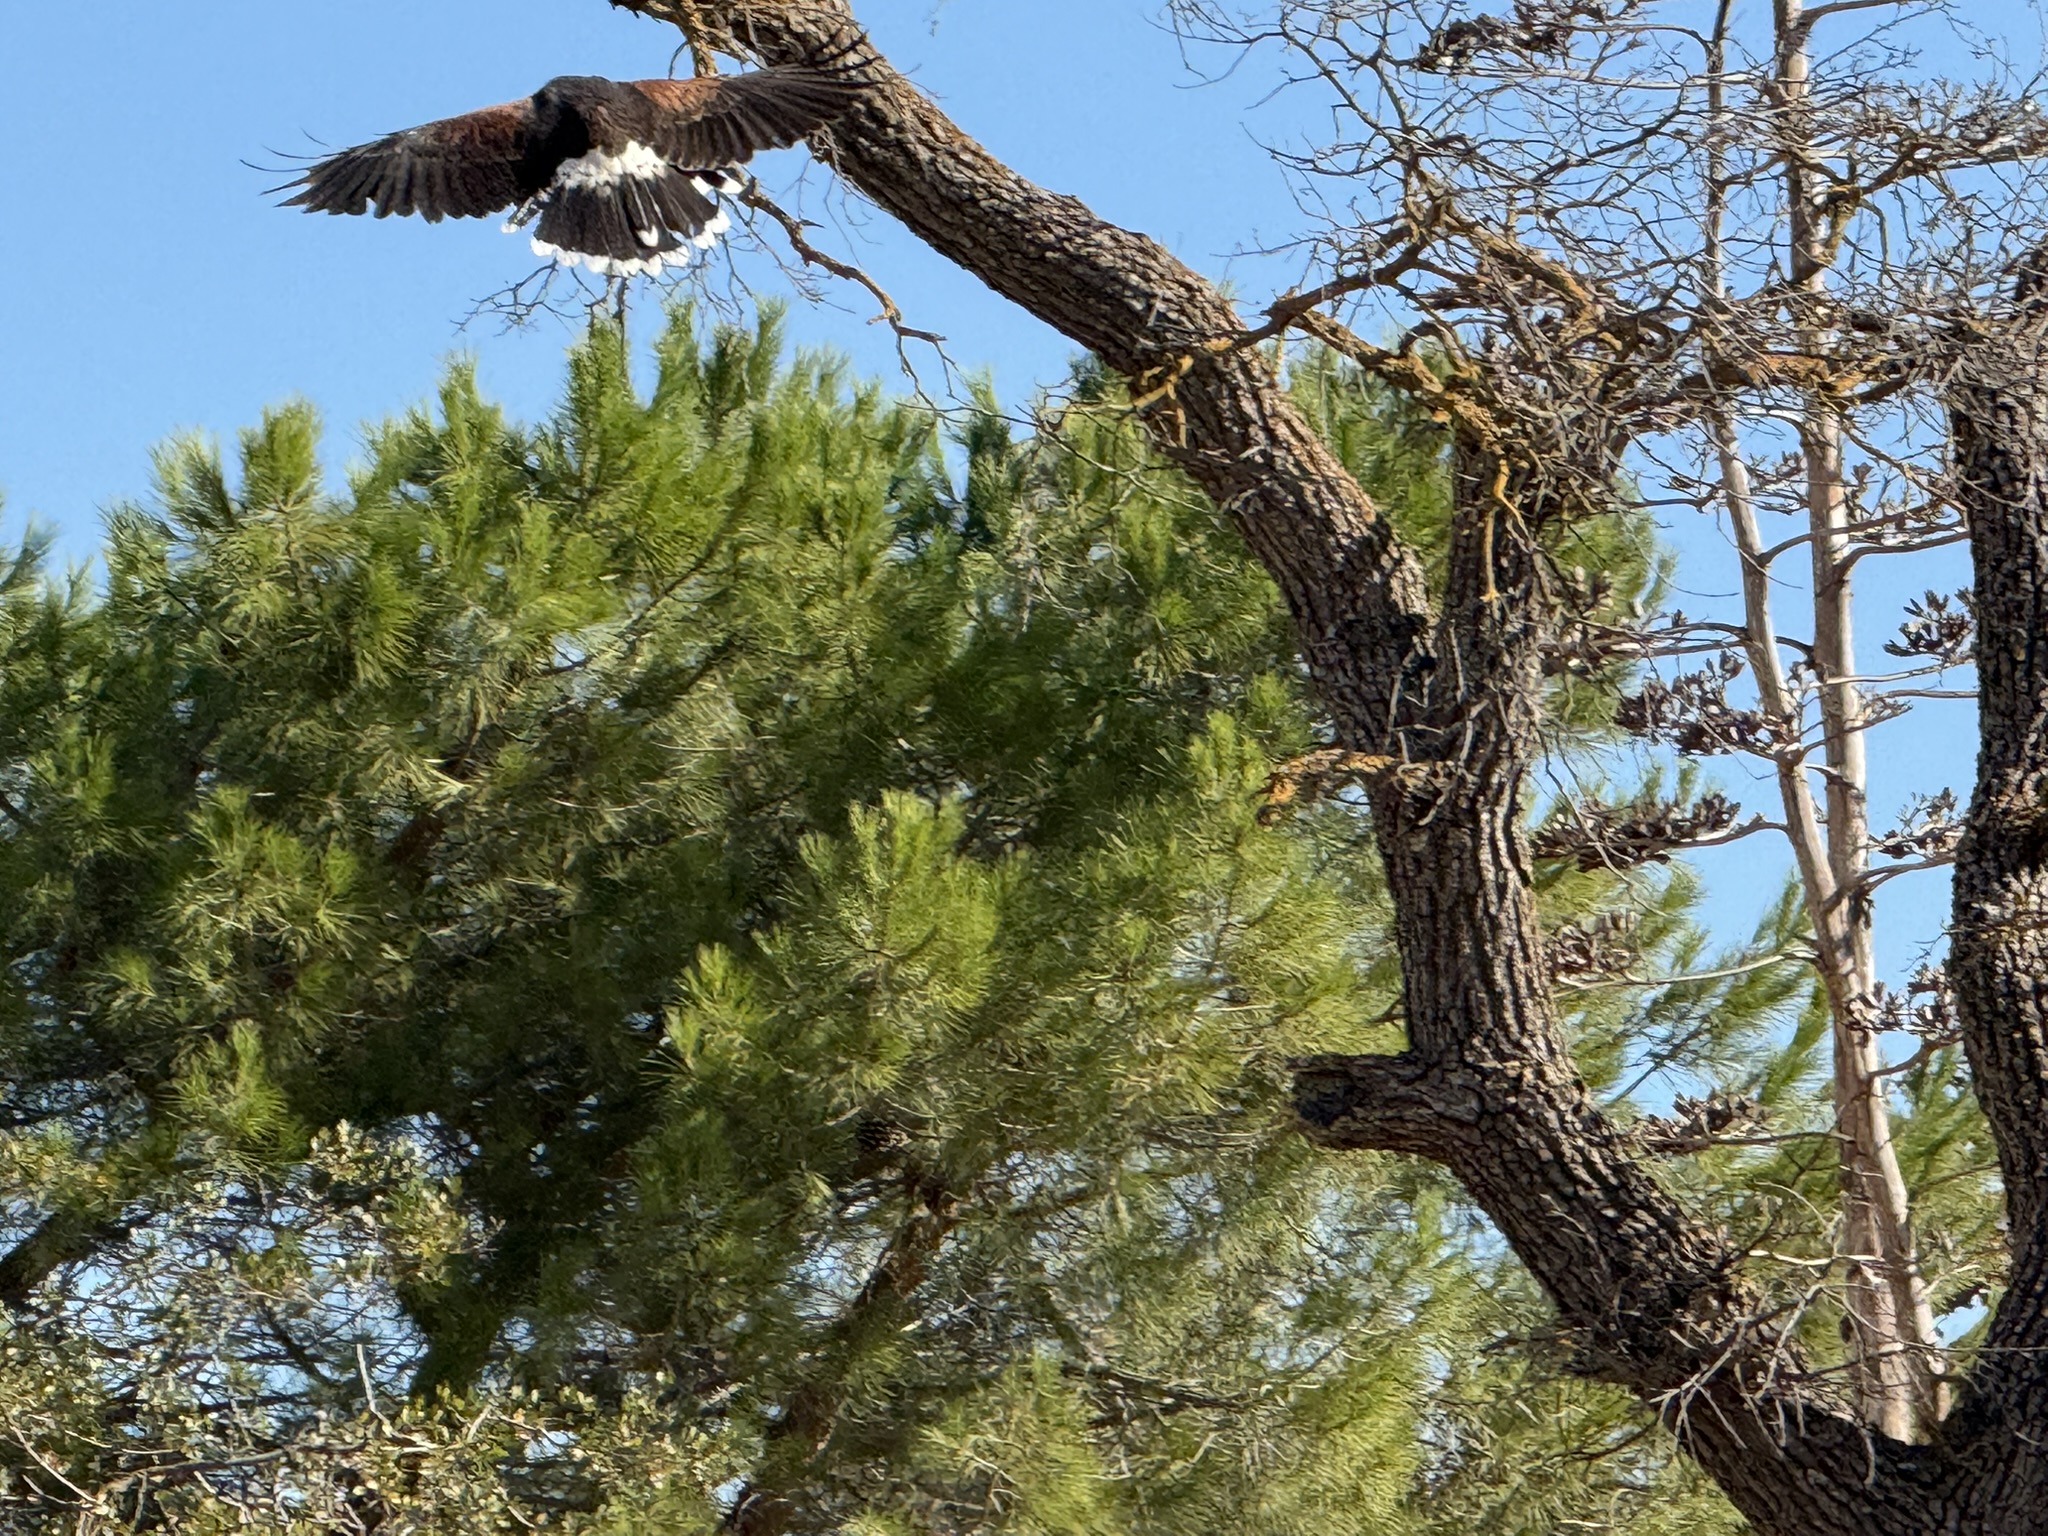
(622, 178)
(722, 120)
(457, 167)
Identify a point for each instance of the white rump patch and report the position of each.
(600, 168)
(603, 172)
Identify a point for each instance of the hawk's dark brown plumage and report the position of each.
(623, 176)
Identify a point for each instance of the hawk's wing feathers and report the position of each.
(458, 167)
(622, 178)
(722, 120)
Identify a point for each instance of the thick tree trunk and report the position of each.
(1650, 1296)
(1998, 949)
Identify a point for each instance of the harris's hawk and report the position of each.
(623, 175)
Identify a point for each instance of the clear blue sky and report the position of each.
(151, 287)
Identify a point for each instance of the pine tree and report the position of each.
(687, 940)
(731, 958)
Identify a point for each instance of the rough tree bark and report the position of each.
(1998, 947)
(1446, 704)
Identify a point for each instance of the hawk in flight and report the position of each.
(622, 175)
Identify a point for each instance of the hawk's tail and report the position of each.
(625, 215)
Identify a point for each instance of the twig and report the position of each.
(793, 229)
